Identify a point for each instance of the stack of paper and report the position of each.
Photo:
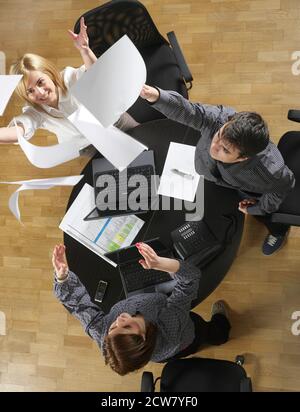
(179, 178)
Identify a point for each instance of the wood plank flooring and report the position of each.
(239, 52)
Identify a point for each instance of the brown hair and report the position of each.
(32, 62)
(126, 353)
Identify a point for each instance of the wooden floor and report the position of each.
(239, 52)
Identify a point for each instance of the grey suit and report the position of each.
(264, 174)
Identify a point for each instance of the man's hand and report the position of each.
(149, 93)
(81, 40)
(59, 261)
(244, 204)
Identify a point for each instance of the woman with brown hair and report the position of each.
(48, 100)
(145, 327)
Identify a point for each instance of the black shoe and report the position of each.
(273, 243)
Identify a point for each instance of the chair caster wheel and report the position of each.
(240, 359)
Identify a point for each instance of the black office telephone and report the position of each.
(196, 243)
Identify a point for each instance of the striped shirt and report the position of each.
(264, 174)
(175, 329)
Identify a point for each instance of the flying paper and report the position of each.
(8, 83)
(116, 146)
(113, 83)
(37, 184)
(47, 156)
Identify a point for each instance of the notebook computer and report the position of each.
(114, 190)
(135, 278)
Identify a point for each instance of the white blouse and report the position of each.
(33, 119)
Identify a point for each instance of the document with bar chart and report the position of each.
(103, 235)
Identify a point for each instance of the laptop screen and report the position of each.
(131, 253)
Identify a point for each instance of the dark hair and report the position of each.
(126, 353)
(248, 132)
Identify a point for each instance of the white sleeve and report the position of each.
(30, 120)
(72, 75)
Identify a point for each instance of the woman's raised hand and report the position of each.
(151, 259)
(59, 261)
(81, 40)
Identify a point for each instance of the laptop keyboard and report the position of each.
(122, 186)
(137, 278)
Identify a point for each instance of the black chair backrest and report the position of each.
(204, 375)
(289, 147)
(109, 22)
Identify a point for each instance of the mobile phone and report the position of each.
(101, 288)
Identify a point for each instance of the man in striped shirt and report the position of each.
(234, 150)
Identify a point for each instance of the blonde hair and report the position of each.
(32, 62)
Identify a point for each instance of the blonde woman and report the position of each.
(48, 101)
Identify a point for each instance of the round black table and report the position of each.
(218, 201)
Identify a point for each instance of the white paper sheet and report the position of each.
(8, 83)
(103, 235)
(180, 157)
(112, 84)
(47, 156)
(13, 202)
(116, 146)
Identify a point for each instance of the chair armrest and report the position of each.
(246, 385)
(285, 218)
(294, 115)
(188, 78)
(147, 383)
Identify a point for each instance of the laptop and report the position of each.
(135, 278)
(113, 188)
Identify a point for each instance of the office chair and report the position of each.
(200, 375)
(166, 66)
(289, 147)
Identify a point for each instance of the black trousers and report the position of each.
(275, 229)
(214, 332)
